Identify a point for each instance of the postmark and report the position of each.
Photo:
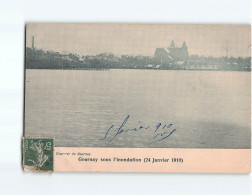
(38, 154)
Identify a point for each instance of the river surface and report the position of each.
(208, 109)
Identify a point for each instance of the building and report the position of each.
(171, 54)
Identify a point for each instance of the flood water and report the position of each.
(208, 109)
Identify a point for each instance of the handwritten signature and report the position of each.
(160, 131)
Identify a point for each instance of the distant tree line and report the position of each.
(39, 59)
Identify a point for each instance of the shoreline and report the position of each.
(143, 69)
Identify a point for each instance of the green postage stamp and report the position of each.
(38, 154)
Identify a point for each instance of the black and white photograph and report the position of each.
(138, 85)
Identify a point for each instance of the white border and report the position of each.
(15, 13)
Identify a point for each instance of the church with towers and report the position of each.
(171, 54)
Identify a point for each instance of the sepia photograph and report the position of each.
(139, 85)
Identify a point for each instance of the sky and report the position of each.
(140, 39)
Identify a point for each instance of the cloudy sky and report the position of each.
(140, 39)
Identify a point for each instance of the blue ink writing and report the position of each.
(161, 132)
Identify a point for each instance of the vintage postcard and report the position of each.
(137, 98)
